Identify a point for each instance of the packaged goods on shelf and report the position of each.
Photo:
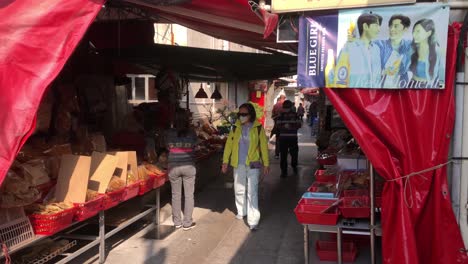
(115, 184)
(18, 190)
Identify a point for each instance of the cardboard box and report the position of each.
(122, 164)
(72, 182)
(102, 168)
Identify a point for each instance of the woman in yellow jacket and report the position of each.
(246, 151)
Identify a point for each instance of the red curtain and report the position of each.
(36, 39)
(403, 132)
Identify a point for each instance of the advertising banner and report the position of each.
(395, 47)
(282, 6)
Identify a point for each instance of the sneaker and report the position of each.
(190, 226)
(240, 217)
(253, 227)
(177, 226)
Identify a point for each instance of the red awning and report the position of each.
(231, 20)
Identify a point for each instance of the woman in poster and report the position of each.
(425, 58)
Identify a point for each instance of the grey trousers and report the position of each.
(182, 175)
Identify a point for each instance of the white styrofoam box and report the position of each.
(352, 162)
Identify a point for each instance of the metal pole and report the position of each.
(158, 194)
(339, 245)
(306, 244)
(372, 213)
(102, 238)
(188, 97)
(235, 93)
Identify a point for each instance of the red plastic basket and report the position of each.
(160, 181)
(356, 193)
(113, 198)
(131, 191)
(327, 251)
(315, 186)
(88, 209)
(321, 176)
(146, 185)
(309, 211)
(355, 207)
(53, 223)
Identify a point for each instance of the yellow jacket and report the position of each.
(256, 150)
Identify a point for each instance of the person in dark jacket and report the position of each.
(288, 123)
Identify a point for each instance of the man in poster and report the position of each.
(395, 53)
(359, 63)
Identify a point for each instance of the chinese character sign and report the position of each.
(395, 47)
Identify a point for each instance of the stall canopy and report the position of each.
(231, 20)
(206, 64)
(36, 37)
(403, 133)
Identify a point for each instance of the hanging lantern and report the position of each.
(201, 94)
(216, 94)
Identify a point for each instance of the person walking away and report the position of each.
(246, 150)
(300, 112)
(288, 124)
(181, 141)
(277, 109)
(313, 110)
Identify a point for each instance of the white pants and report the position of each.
(247, 201)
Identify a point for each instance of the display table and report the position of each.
(362, 227)
(100, 239)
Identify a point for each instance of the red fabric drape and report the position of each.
(36, 39)
(403, 132)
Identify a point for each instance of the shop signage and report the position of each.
(386, 47)
(281, 6)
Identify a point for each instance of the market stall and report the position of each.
(404, 134)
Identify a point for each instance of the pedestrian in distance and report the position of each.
(288, 125)
(277, 109)
(246, 150)
(301, 112)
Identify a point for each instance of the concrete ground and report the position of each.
(220, 238)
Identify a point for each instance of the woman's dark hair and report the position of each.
(161, 151)
(249, 107)
(182, 122)
(428, 25)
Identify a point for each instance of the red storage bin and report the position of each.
(322, 176)
(355, 207)
(378, 202)
(88, 209)
(309, 211)
(147, 185)
(113, 198)
(53, 223)
(132, 190)
(327, 251)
